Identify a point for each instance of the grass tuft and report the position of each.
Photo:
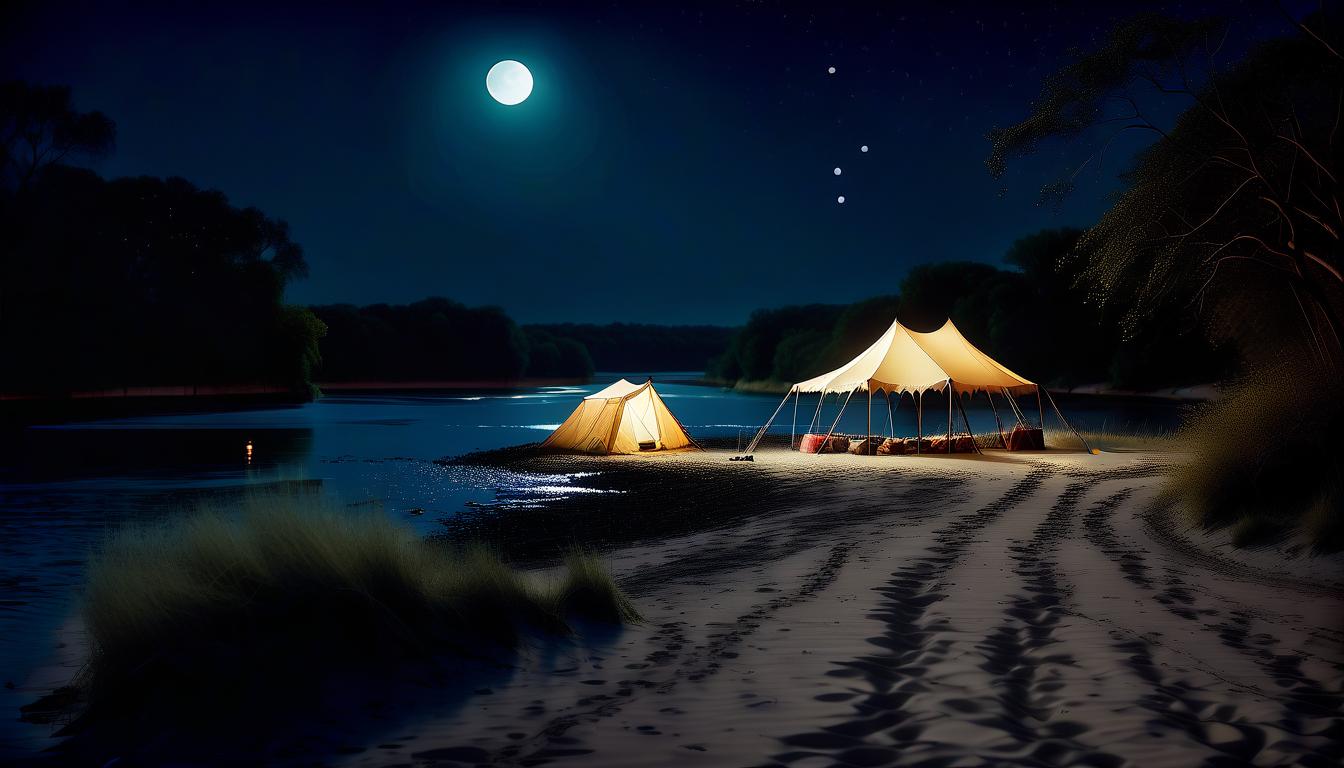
(295, 585)
(1115, 440)
(588, 591)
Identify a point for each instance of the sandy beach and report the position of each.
(1024, 608)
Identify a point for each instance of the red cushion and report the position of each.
(811, 442)
(1026, 439)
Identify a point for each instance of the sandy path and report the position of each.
(930, 611)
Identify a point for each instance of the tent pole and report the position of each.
(757, 439)
(829, 432)
(816, 417)
(967, 420)
(793, 431)
(1017, 411)
(1065, 422)
(1040, 411)
(948, 390)
(891, 418)
(868, 438)
(919, 421)
(1002, 439)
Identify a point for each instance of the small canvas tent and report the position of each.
(623, 418)
(902, 361)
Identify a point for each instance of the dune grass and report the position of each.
(1144, 439)
(1264, 463)
(295, 584)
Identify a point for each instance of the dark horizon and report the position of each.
(646, 180)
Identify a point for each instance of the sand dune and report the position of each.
(923, 611)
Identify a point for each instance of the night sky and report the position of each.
(674, 163)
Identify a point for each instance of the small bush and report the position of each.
(1263, 460)
(295, 585)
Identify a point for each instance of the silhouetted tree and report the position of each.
(1035, 319)
(1238, 197)
(550, 356)
(39, 128)
(431, 340)
(644, 347)
(136, 281)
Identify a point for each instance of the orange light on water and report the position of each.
(249, 451)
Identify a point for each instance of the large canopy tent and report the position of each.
(623, 418)
(902, 361)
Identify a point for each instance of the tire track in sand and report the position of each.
(554, 742)
(910, 649)
(1199, 713)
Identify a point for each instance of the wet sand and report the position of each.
(842, 610)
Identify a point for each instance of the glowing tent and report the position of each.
(902, 361)
(623, 418)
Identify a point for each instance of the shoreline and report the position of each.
(803, 609)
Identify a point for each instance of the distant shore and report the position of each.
(1191, 392)
(445, 384)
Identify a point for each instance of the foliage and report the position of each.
(751, 355)
(297, 586)
(589, 591)
(1263, 460)
(442, 340)
(41, 128)
(1234, 209)
(551, 356)
(1033, 318)
(435, 339)
(1113, 440)
(642, 347)
(295, 346)
(1235, 206)
(145, 281)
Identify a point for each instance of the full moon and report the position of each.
(509, 82)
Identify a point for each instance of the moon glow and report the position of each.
(509, 82)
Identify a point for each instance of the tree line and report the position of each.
(133, 281)
(442, 340)
(1033, 316)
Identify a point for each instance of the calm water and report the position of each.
(62, 488)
